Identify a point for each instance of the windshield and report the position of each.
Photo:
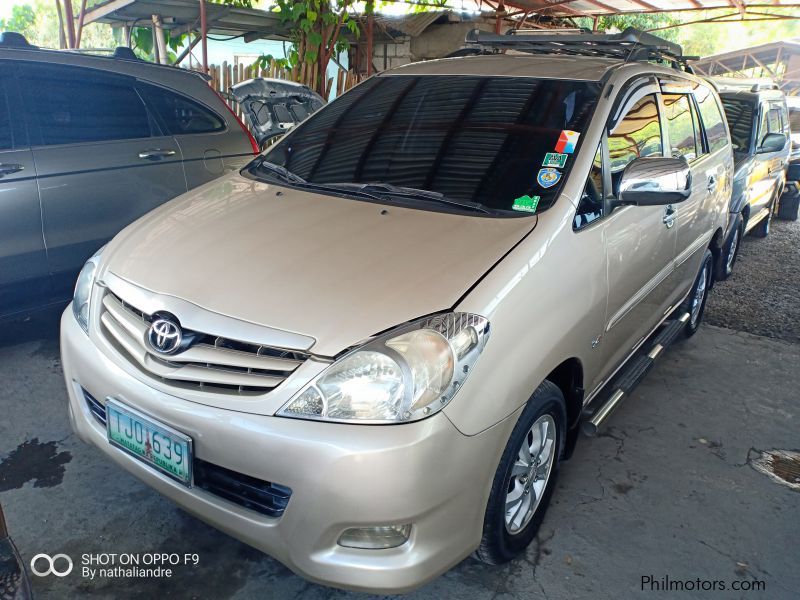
(739, 114)
(501, 143)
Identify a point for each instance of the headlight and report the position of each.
(404, 375)
(83, 291)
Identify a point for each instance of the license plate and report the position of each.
(158, 445)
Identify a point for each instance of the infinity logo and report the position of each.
(51, 562)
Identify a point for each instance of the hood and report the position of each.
(334, 269)
(273, 106)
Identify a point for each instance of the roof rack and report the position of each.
(628, 46)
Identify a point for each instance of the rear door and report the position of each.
(101, 159)
(710, 161)
(208, 145)
(24, 275)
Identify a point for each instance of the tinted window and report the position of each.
(590, 208)
(71, 105)
(713, 122)
(684, 140)
(637, 135)
(739, 114)
(180, 115)
(492, 140)
(6, 138)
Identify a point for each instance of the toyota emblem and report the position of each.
(165, 335)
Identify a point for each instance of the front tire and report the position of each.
(695, 303)
(525, 478)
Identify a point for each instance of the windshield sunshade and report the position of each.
(493, 141)
(739, 114)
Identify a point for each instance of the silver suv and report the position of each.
(369, 352)
(88, 144)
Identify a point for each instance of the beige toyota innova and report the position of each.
(368, 353)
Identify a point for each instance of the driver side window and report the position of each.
(637, 135)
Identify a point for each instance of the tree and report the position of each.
(316, 28)
(22, 20)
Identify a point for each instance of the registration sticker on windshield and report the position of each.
(526, 203)
(548, 177)
(567, 141)
(554, 159)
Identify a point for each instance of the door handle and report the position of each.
(156, 153)
(670, 212)
(9, 168)
(712, 183)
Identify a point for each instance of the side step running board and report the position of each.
(632, 375)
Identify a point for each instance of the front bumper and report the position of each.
(425, 473)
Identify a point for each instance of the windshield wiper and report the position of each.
(387, 189)
(282, 172)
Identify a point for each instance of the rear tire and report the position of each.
(762, 229)
(789, 205)
(695, 303)
(730, 251)
(517, 505)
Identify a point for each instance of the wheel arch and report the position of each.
(568, 377)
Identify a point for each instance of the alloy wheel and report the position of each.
(699, 294)
(530, 473)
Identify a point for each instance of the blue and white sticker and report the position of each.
(548, 177)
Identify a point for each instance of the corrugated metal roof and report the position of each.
(573, 8)
(411, 25)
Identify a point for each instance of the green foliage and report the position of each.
(639, 21)
(22, 20)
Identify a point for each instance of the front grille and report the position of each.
(261, 496)
(97, 408)
(249, 492)
(211, 363)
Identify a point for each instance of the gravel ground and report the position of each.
(762, 296)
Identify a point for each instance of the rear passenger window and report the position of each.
(637, 135)
(684, 138)
(70, 105)
(179, 114)
(713, 122)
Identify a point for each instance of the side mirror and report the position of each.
(655, 182)
(772, 142)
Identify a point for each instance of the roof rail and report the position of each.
(630, 45)
(12, 39)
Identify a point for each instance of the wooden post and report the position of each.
(81, 16)
(62, 40)
(370, 37)
(69, 20)
(204, 34)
